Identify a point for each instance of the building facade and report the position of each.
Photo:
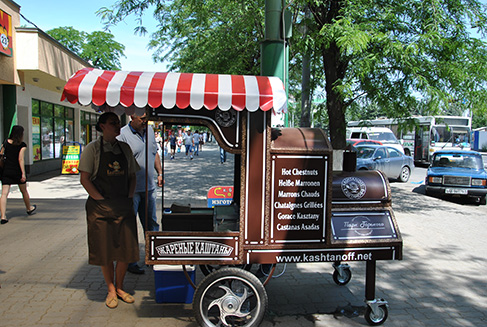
(33, 71)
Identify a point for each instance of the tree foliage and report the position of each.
(98, 48)
(213, 36)
(395, 58)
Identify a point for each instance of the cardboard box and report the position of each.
(171, 284)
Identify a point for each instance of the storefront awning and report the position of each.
(131, 90)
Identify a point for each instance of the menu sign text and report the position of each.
(298, 198)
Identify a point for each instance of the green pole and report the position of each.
(274, 49)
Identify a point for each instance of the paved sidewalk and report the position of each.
(46, 281)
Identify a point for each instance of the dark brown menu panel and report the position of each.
(298, 198)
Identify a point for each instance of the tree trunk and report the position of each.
(305, 100)
(334, 72)
(305, 82)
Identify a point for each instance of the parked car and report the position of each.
(457, 173)
(393, 163)
(355, 142)
(382, 134)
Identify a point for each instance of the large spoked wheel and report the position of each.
(230, 297)
(343, 278)
(405, 173)
(208, 269)
(378, 318)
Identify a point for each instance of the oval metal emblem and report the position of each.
(354, 188)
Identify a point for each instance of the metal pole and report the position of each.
(274, 48)
(162, 165)
(147, 174)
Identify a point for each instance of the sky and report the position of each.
(48, 14)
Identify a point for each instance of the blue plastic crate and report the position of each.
(171, 284)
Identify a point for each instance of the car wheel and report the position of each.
(482, 200)
(405, 173)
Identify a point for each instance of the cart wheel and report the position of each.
(230, 297)
(344, 278)
(379, 317)
(208, 269)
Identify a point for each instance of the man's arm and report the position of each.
(158, 167)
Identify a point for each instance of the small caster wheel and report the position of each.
(342, 276)
(378, 317)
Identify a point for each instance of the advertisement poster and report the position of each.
(36, 138)
(5, 34)
(70, 161)
(220, 196)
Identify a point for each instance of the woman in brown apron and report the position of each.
(108, 169)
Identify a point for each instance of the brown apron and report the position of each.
(112, 227)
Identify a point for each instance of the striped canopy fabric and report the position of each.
(129, 91)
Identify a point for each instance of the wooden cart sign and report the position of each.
(220, 196)
(362, 225)
(298, 209)
(211, 248)
(323, 255)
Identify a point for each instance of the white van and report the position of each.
(382, 134)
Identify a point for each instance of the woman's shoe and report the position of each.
(126, 297)
(3, 221)
(111, 302)
(31, 211)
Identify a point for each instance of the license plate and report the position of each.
(456, 191)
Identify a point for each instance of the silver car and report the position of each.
(390, 161)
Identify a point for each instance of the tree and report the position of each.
(214, 36)
(400, 56)
(397, 56)
(98, 48)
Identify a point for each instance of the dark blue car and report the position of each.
(457, 173)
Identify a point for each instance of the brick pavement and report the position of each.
(46, 281)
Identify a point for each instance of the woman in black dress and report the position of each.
(14, 170)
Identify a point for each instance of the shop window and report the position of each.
(88, 129)
(47, 138)
(52, 126)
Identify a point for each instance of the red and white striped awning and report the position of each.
(133, 90)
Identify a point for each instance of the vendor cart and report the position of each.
(289, 205)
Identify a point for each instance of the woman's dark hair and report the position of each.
(103, 119)
(17, 134)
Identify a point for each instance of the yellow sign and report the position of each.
(6, 34)
(70, 161)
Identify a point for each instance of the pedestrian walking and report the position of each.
(204, 139)
(134, 134)
(107, 169)
(13, 149)
(196, 143)
(223, 155)
(172, 144)
(188, 143)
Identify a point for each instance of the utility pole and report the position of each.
(274, 48)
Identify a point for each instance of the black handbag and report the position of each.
(2, 158)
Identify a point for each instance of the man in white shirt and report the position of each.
(134, 133)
